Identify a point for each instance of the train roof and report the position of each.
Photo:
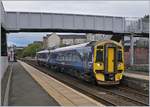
(70, 47)
(43, 51)
(107, 41)
(93, 43)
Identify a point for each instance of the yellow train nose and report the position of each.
(118, 76)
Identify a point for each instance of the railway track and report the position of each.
(131, 90)
(127, 94)
(110, 96)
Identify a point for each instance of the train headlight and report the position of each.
(98, 64)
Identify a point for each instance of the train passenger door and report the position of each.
(110, 59)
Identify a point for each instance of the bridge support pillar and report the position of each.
(122, 40)
(3, 57)
(3, 42)
(131, 50)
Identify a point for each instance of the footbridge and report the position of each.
(54, 22)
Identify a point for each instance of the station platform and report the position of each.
(137, 75)
(23, 90)
(30, 87)
(136, 80)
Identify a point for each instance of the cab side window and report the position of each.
(120, 56)
(90, 56)
(99, 56)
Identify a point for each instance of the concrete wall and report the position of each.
(4, 65)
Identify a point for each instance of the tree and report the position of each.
(31, 50)
(19, 53)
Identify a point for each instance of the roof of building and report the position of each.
(72, 36)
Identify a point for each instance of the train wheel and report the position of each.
(61, 69)
(78, 74)
(49, 66)
(58, 69)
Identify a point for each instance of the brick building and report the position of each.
(141, 55)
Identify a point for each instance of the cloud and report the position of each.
(23, 39)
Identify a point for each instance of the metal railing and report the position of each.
(136, 25)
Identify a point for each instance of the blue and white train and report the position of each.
(100, 62)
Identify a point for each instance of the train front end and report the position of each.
(108, 63)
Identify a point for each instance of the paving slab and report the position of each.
(4, 82)
(25, 91)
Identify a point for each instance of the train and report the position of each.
(99, 62)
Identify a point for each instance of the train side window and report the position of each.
(53, 56)
(78, 58)
(120, 56)
(69, 57)
(99, 56)
(58, 58)
(73, 58)
(63, 58)
(90, 56)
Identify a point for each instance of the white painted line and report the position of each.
(6, 96)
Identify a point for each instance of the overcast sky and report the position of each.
(109, 8)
